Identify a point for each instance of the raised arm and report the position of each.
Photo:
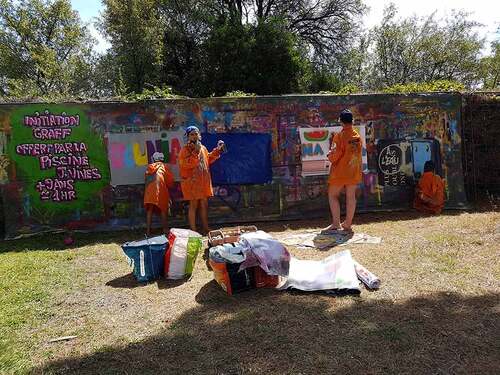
(214, 155)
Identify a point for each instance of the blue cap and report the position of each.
(191, 129)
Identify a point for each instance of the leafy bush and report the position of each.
(434, 86)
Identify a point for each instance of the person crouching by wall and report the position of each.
(158, 178)
(196, 182)
(345, 172)
(429, 193)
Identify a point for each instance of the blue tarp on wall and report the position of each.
(247, 160)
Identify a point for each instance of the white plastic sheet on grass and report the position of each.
(335, 272)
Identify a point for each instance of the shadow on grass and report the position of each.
(55, 241)
(126, 281)
(360, 218)
(265, 331)
(129, 282)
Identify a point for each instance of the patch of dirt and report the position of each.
(437, 310)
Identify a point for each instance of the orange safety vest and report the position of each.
(432, 187)
(346, 157)
(196, 182)
(158, 178)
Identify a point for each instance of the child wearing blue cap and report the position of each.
(196, 182)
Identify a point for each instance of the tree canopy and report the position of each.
(201, 48)
(425, 50)
(44, 49)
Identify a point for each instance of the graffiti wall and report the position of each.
(316, 144)
(80, 166)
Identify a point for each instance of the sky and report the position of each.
(486, 12)
(89, 12)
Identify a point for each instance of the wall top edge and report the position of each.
(244, 98)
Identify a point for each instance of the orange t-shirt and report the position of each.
(346, 158)
(158, 179)
(196, 182)
(432, 187)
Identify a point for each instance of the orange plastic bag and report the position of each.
(230, 280)
(263, 280)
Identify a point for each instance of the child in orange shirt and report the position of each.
(196, 183)
(345, 172)
(158, 179)
(429, 193)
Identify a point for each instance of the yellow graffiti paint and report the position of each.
(140, 158)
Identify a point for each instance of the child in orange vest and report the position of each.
(158, 179)
(345, 172)
(429, 193)
(196, 183)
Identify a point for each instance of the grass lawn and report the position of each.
(437, 312)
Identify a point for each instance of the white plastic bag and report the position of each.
(264, 251)
(184, 245)
(335, 272)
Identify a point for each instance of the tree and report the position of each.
(490, 68)
(432, 86)
(202, 47)
(262, 59)
(228, 61)
(324, 31)
(44, 49)
(277, 62)
(321, 79)
(353, 66)
(186, 26)
(105, 77)
(134, 29)
(425, 50)
(326, 27)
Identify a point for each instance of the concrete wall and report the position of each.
(481, 146)
(79, 166)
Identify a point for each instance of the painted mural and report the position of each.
(57, 168)
(316, 144)
(74, 166)
(129, 153)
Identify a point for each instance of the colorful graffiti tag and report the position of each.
(82, 165)
(58, 167)
(315, 146)
(68, 159)
(130, 153)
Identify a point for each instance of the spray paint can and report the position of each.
(222, 146)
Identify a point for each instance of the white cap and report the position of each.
(158, 156)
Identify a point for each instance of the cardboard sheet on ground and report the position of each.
(334, 272)
(325, 241)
